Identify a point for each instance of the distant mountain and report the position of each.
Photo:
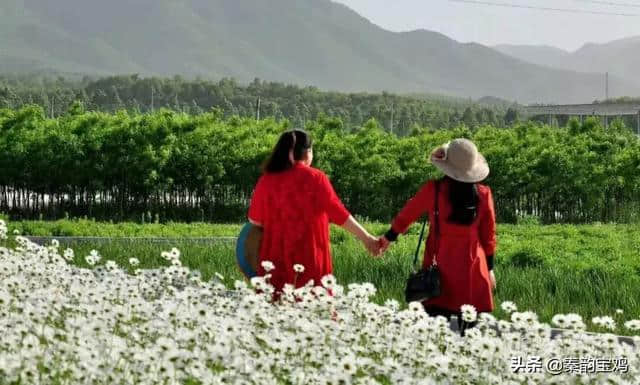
(305, 42)
(621, 58)
(537, 54)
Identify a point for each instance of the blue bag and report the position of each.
(247, 248)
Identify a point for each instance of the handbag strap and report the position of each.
(436, 215)
(436, 225)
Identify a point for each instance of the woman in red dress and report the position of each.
(467, 240)
(294, 204)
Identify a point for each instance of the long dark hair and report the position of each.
(298, 141)
(464, 201)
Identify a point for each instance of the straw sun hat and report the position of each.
(460, 160)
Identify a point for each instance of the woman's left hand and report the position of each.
(492, 277)
(372, 245)
(383, 243)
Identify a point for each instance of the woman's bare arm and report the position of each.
(370, 242)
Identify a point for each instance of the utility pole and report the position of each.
(152, 90)
(606, 93)
(304, 115)
(638, 123)
(258, 109)
(53, 104)
(391, 125)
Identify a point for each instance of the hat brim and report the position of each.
(477, 173)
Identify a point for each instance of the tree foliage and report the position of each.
(204, 167)
(280, 101)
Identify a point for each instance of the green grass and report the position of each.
(89, 228)
(591, 270)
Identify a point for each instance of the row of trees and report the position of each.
(400, 114)
(204, 167)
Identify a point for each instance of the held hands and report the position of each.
(383, 243)
(372, 245)
(376, 246)
(369, 241)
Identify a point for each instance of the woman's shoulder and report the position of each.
(263, 179)
(267, 180)
(431, 184)
(298, 171)
(484, 192)
(483, 188)
(303, 174)
(428, 188)
(314, 173)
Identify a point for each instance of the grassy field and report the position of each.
(591, 270)
(79, 228)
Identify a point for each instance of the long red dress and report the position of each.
(294, 208)
(462, 249)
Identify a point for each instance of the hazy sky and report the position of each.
(491, 25)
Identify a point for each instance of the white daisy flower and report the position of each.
(509, 307)
(633, 325)
(328, 281)
(469, 313)
(267, 266)
(560, 320)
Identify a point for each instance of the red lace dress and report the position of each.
(294, 208)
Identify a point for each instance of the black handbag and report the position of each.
(425, 283)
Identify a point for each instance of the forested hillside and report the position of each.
(303, 42)
(400, 114)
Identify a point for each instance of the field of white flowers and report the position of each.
(67, 325)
